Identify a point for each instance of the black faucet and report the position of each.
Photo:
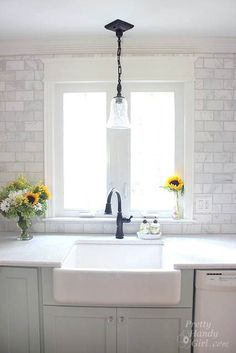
(119, 219)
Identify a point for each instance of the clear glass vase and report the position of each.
(178, 209)
(24, 225)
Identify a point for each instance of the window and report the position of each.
(86, 160)
(84, 150)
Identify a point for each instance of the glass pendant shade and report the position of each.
(118, 118)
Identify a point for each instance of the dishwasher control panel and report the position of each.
(216, 279)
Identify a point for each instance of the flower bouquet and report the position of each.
(176, 185)
(21, 200)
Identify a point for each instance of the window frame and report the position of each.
(63, 77)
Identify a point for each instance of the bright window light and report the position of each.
(84, 119)
(152, 149)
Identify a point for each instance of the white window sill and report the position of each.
(111, 219)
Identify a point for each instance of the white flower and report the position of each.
(14, 194)
(38, 207)
(5, 205)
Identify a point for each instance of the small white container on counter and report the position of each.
(148, 236)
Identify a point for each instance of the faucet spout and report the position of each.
(119, 219)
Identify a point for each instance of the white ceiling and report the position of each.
(62, 19)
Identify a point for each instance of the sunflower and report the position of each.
(32, 197)
(43, 189)
(174, 183)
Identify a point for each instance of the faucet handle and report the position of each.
(127, 220)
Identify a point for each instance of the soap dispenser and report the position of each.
(155, 226)
(144, 226)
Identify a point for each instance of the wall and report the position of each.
(21, 140)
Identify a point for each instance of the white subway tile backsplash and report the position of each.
(7, 76)
(24, 95)
(223, 94)
(221, 218)
(205, 73)
(74, 227)
(191, 229)
(229, 63)
(230, 84)
(212, 188)
(199, 126)
(198, 84)
(33, 105)
(223, 136)
(204, 115)
(2, 86)
(223, 178)
(229, 208)
(222, 198)
(214, 105)
(199, 63)
(22, 148)
(7, 157)
(15, 65)
(229, 147)
(230, 168)
(33, 147)
(211, 228)
(230, 105)
(204, 157)
(203, 137)
(93, 228)
(214, 84)
(24, 75)
(203, 218)
(223, 157)
(14, 106)
(224, 73)
(223, 115)
(229, 188)
(203, 178)
(34, 126)
(213, 167)
(213, 63)
(213, 147)
(205, 94)
(229, 228)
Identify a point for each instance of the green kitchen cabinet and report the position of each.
(111, 330)
(162, 330)
(79, 330)
(19, 310)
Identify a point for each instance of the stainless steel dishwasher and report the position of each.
(215, 312)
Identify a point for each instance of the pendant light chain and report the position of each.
(118, 118)
(119, 87)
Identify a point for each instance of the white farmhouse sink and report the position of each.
(116, 272)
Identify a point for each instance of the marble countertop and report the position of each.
(180, 252)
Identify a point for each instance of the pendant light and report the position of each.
(118, 118)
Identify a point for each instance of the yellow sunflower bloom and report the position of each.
(44, 190)
(32, 197)
(174, 183)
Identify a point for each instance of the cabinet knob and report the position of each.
(121, 319)
(110, 319)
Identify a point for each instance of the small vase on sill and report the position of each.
(178, 209)
(24, 225)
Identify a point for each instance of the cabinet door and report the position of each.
(79, 330)
(19, 310)
(153, 330)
